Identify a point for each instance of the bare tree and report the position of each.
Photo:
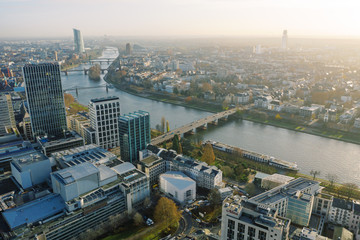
(314, 173)
(333, 178)
(138, 220)
(348, 189)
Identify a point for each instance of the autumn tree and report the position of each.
(206, 87)
(176, 145)
(167, 126)
(138, 220)
(314, 173)
(166, 212)
(208, 155)
(163, 124)
(227, 171)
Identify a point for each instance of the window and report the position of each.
(262, 235)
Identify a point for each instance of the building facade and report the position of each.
(78, 41)
(104, 113)
(134, 134)
(7, 118)
(45, 99)
(242, 220)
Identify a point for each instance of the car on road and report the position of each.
(198, 220)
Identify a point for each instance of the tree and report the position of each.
(278, 117)
(176, 145)
(206, 87)
(314, 173)
(227, 171)
(166, 212)
(167, 126)
(164, 145)
(147, 202)
(175, 90)
(138, 219)
(348, 189)
(333, 178)
(162, 124)
(208, 155)
(214, 197)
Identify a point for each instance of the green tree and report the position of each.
(176, 145)
(227, 171)
(332, 178)
(166, 212)
(208, 155)
(167, 126)
(214, 197)
(175, 90)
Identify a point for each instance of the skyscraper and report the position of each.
(78, 41)
(134, 134)
(284, 40)
(128, 49)
(7, 118)
(45, 99)
(104, 113)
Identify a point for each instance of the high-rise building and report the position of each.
(134, 134)
(284, 40)
(104, 113)
(78, 41)
(7, 118)
(128, 49)
(45, 99)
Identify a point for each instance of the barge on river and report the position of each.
(271, 161)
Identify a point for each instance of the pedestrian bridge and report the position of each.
(191, 127)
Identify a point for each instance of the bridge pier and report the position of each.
(66, 73)
(204, 127)
(102, 71)
(225, 118)
(107, 88)
(215, 122)
(85, 71)
(77, 92)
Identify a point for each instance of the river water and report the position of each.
(308, 151)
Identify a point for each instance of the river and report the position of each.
(308, 151)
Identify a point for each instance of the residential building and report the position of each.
(45, 99)
(7, 118)
(78, 41)
(26, 126)
(309, 111)
(205, 176)
(242, 219)
(311, 234)
(242, 98)
(178, 186)
(225, 192)
(293, 200)
(262, 101)
(134, 134)
(104, 113)
(341, 211)
(275, 180)
(322, 204)
(357, 123)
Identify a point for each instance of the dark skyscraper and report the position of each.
(128, 49)
(45, 99)
(78, 41)
(134, 134)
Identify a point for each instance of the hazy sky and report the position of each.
(302, 18)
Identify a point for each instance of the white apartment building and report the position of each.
(242, 219)
(104, 113)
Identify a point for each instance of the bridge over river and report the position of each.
(191, 127)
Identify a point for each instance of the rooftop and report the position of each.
(178, 179)
(104, 99)
(70, 137)
(34, 211)
(150, 160)
(72, 174)
(133, 115)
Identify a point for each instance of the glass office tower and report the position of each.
(78, 41)
(134, 134)
(45, 99)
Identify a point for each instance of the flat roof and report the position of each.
(151, 159)
(178, 179)
(104, 99)
(72, 174)
(34, 211)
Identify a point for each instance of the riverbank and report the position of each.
(327, 133)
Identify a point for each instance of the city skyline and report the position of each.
(183, 18)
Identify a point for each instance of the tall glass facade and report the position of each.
(45, 99)
(134, 134)
(78, 41)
